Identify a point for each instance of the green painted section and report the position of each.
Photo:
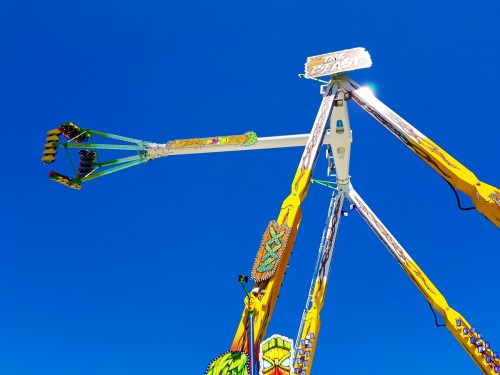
(119, 161)
(100, 146)
(71, 161)
(271, 256)
(329, 184)
(252, 139)
(230, 363)
(117, 137)
(114, 169)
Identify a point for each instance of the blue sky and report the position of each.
(137, 272)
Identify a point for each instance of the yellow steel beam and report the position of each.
(485, 197)
(471, 341)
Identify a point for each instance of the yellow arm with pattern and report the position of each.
(278, 239)
(486, 198)
(471, 341)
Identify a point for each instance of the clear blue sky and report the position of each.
(137, 272)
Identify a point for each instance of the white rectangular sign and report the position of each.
(337, 62)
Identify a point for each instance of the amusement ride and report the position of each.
(250, 352)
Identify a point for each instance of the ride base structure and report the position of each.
(250, 353)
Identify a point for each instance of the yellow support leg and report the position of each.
(479, 350)
(278, 239)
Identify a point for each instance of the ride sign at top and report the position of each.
(337, 62)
